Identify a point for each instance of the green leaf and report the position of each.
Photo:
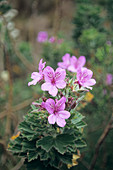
(77, 118)
(62, 141)
(46, 143)
(81, 124)
(80, 143)
(32, 155)
(25, 127)
(27, 145)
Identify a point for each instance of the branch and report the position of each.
(19, 165)
(100, 142)
(17, 107)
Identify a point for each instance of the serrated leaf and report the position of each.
(60, 142)
(77, 118)
(81, 124)
(27, 145)
(15, 148)
(80, 143)
(32, 155)
(66, 158)
(25, 127)
(46, 143)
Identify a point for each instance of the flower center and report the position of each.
(53, 81)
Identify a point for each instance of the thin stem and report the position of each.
(100, 142)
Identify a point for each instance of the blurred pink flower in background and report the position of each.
(37, 76)
(52, 39)
(54, 80)
(60, 41)
(84, 76)
(57, 112)
(108, 42)
(42, 36)
(109, 78)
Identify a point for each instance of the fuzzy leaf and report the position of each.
(81, 124)
(80, 144)
(77, 118)
(46, 143)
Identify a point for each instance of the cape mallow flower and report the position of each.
(109, 79)
(56, 111)
(84, 78)
(72, 63)
(76, 63)
(37, 76)
(42, 36)
(54, 80)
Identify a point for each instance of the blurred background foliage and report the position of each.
(86, 28)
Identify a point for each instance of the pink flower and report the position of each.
(54, 80)
(60, 41)
(84, 78)
(57, 112)
(42, 36)
(109, 79)
(66, 61)
(52, 39)
(37, 76)
(76, 63)
(72, 64)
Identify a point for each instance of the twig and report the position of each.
(99, 143)
(22, 105)
(19, 165)
(10, 100)
(28, 65)
(58, 16)
(16, 108)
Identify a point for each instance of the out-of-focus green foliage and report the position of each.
(90, 40)
(4, 6)
(93, 36)
(87, 16)
(89, 32)
(53, 52)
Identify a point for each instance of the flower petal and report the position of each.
(60, 74)
(60, 84)
(64, 114)
(60, 104)
(61, 122)
(72, 69)
(33, 82)
(81, 61)
(41, 65)
(45, 86)
(90, 82)
(52, 119)
(83, 75)
(66, 61)
(35, 75)
(53, 90)
(48, 74)
(50, 105)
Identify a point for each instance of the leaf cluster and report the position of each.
(47, 146)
